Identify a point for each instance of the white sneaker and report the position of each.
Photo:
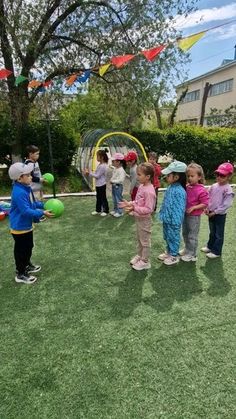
(112, 212)
(211, 255)
(117, 215)
(182, 252)
(140, 265)
(205, 249)
(171, 260)
(103, 214)
(95, 213)
(134, 260)
(163, 256)
(188, 258)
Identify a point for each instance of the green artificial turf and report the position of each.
(94, 339)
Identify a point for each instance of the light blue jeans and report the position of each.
(117, 196)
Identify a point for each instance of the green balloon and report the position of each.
(49, 178)
(55, 206)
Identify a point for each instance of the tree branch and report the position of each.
(6, 47)
(77, 42)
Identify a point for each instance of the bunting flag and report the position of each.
(84, 77)
(33, 84)
(120, 60)
(48, 83)
(150, 54)
(20, 80)
(4, 73)
(103, 69)
(71, 79)
(186, 43)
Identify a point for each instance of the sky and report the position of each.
(217, 44)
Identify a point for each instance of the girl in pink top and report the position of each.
(142, 208)
(197, 201)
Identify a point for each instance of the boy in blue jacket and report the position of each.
(24, 211)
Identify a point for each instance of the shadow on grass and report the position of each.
(173, 283)
(214, 271)
(129, 294)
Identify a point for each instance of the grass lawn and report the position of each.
(95, 339)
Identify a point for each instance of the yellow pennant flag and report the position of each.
(186, 43)
(103, 69)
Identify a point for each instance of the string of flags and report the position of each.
(117, 61)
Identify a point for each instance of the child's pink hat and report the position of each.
(118, 156)
(225, 169)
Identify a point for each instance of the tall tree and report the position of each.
(59, 37)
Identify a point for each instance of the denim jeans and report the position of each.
(117, 196)
(216, 238)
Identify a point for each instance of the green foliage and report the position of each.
(152, 140)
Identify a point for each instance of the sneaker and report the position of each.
(140, 265)
(103, 214)
(33, 268)
(211, 255)
(134, 260)
(95, 213)
(188, 258)
(112, 212)
(43, 218)
(163, 256)
(182, 252)
(205, 249)
(117, 215)
(25, 278)
(171, 260)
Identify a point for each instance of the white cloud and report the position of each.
(225, 32)
(205, 16)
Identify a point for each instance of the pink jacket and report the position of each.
(196, 194)
(145, 201)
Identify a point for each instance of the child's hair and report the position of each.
(199, 171)
(31, 149)
(147, 169)
(182, 178)
(152, 154)
(103, 155)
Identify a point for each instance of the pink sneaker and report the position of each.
(171, 260)
(134, 260)
(163, 256)
(140, 265)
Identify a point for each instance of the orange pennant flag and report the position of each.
(71, 79)
(186, 43)
(103, 69)
(150, 54)
(120, 60)
(34, 84)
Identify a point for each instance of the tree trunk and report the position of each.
(204, 100)
(158, 116)
(173, 113)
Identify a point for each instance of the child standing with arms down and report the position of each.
(131, 160)
(142, 208)
(152, 158)
(99, 174)
(24, 211)
(37, 179)
(117, 181)
(197, 201)
(172, 210)
(220, 200)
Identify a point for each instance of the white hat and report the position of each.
(16, 170)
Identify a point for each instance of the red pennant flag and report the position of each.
(48, 83)
(120, 60)
(4, 73)
(150, 54)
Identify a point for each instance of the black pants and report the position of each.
(216, 238)
(101, 204)
(23, 250)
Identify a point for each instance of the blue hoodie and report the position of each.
(24, 209)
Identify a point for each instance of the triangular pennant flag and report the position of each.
(20, 80)
(150, 54)
(186, 43)
(84, 77)
(120, 60)
(4, 73)
(34, 84)
(103, 69)
(71, 79)
(47, 83)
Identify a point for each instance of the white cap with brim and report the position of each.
(16, 170)
(176, 167)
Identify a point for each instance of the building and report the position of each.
(215, 89)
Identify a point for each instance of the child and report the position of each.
(24, 211)
(37, 179)
(117, 181)
(102, 207)
(197, 201)
(220, 200)
(142, 208)
(152, 158)
(131, 159)
(172, 210)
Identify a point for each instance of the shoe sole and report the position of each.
(20, 281)
(142, 269)
(34, 271)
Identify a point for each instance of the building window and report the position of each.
(222, 87)
(192, 121)
(191, 96)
